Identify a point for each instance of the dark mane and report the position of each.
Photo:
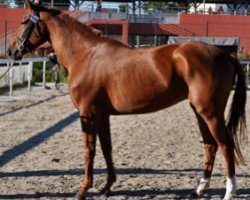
(78, 25)
(49, 10)
(81, 27)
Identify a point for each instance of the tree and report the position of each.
(59, 4)
(4, 2)
(122, 8)
(155, 6)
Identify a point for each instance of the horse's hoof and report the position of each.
(77, 197)
(106, 192)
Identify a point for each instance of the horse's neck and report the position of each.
(69, 44)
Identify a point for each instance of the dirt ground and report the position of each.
(157, 156)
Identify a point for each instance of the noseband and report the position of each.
(23, 42)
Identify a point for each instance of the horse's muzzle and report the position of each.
(15, 54)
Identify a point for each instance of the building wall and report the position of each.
(218, 26)
(212, 25)
(13, 18)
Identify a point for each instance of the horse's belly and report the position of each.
(145, 105)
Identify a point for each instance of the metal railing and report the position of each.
(171, 18)
(6, 64)
(106, 15)
(133, 18)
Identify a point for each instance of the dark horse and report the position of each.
(108, 78)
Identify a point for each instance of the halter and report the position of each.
(33, 24)
(21, 42)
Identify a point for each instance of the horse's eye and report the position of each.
(26, 19)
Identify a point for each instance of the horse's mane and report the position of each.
(84, 29)
(80, 27)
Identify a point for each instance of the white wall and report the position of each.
(20, 74)
(214, 7)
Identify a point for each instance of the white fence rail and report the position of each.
(20, 72)
(23, 69)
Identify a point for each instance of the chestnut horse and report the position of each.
(108, 78)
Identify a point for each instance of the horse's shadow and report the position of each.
(136, 194)
(119, 171)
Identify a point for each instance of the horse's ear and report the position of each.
(38, 2)
(30, 5)
(96, 31)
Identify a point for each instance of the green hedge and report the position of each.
(49, 77)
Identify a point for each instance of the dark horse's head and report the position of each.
(31, 33)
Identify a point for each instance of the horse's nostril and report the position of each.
(17, 55)
(16, 52)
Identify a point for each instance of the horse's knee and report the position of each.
(89, 150)
(88, 123)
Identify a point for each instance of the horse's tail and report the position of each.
(237, 116)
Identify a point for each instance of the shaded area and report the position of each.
(151, 193)
(120, 171)
(179, 193)
(36, 195)
(37, 139)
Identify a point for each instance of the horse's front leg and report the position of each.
(89, 145)
(103, 131)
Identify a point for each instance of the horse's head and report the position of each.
(31, 33)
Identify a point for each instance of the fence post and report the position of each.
(5, 42)
(138, 41)
(247, 76)
(207, 28)
(10, 78)
(155, 40)
(44, 72)
(29, 75)
(20, 73)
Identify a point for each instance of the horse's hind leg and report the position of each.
(103, 131)
(211, 148)
(218, 129)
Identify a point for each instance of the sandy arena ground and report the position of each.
(157, 156)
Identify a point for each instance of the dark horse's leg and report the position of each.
(211, 148)
(89, 145)
(103, 131)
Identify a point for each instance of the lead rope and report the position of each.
(10, 66)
